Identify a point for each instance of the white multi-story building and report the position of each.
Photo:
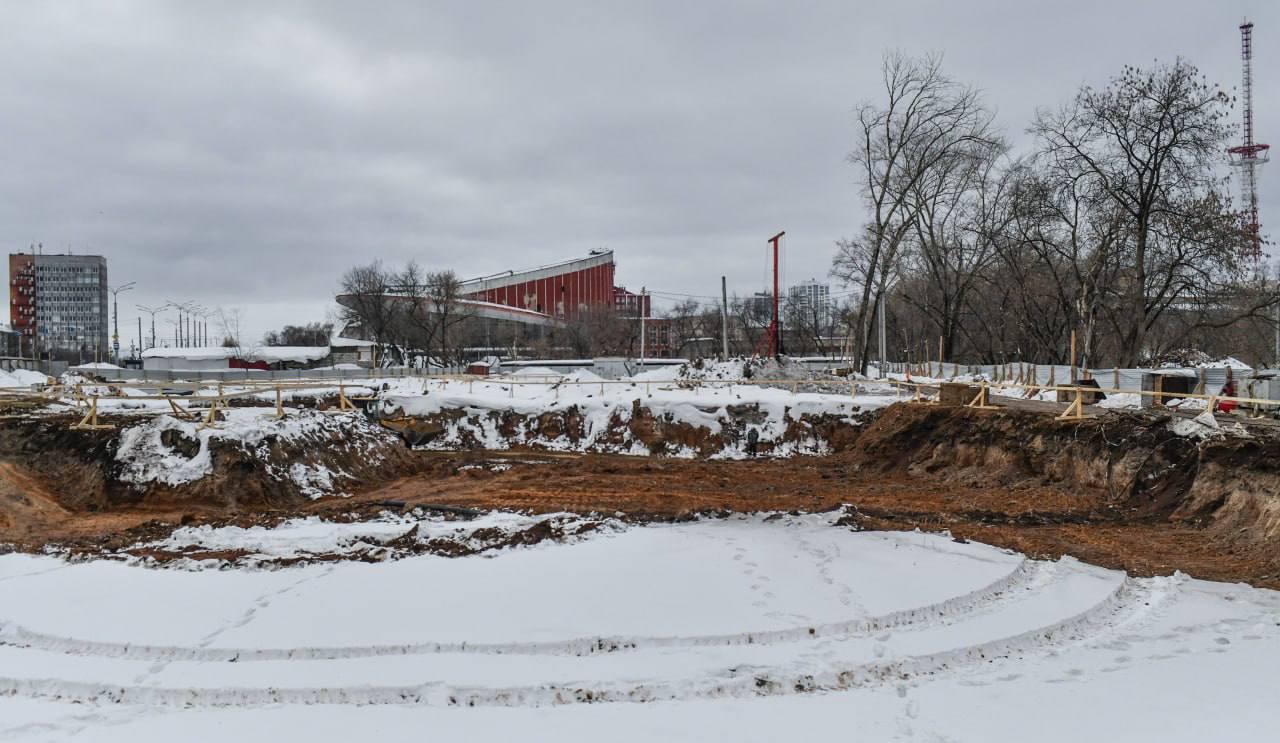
(813, 299)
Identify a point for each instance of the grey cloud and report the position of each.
(246, 154)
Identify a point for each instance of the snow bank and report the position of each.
(170, 451)
(22, 378)
(1121, 401)
(387, 536)
(534, 371)
(615, 417)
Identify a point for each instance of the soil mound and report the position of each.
(1137, 465)
(159, 462)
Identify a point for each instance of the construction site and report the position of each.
(1097, 518)
(1018, 476)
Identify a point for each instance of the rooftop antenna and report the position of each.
(1249, 155)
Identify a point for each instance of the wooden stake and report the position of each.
(981, 401)
(1075, 411)
(1073, 357)
(90, 419)
(178, 411)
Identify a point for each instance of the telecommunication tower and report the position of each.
(1249, 155)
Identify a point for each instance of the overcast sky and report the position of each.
(245, 155)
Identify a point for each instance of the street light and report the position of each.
(153, 311)
(183, 338)
(115, 334)
(202, 324)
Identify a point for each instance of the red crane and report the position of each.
(771, 340)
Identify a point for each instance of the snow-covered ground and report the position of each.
(748, 628)
(21, 378)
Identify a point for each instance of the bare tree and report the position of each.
(924, 118)
(229, 322)
(444, 290)
(311, 334)
(1149, 143)
(414, 325)
(364, 302)
(962, 207)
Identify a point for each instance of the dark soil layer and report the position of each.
(659, 435)
(55, 477)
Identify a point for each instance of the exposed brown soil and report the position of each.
(1119, 491)
(58, 483)
(658, 434)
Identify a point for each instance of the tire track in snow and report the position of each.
(1131, 600)
(1023, 581)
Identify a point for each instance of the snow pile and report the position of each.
(22, 378)
(534, 372)
(1226, 362)
(388, 536)
(732, 369)
(583, 375)
(1121, 401)
(785, 374)
(170, 451)
(624, 417)
(1203, 426)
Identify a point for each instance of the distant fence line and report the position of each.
(252, 375)
(1210, 379)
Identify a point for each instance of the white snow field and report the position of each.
(750, 628)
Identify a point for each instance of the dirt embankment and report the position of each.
(52, 477)
(1130, 467)
(637, 428)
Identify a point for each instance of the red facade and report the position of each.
(560, 292)
(22, 294)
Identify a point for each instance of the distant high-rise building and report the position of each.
(814, 299)
(758, 309)
(59, 301)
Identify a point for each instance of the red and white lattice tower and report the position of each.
(1249, 155)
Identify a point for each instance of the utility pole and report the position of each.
(115, 333)
(776, 330)
(883, 338)
(139, 336)
(152, 311)
(643, 312)
(724, 320)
